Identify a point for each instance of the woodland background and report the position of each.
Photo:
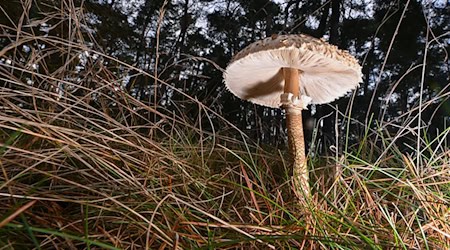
(117, 132)
(187, 44)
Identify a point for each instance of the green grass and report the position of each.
(110, 186)
(108, 171)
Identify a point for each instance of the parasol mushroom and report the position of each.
(292, 71)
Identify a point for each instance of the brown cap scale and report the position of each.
(292, 71)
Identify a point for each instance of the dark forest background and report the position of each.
(402, 46)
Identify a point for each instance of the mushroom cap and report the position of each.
(326, 72)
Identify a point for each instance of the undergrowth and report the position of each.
(86, 165)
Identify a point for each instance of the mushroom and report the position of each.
(292, 71)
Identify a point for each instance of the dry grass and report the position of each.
(85, 165)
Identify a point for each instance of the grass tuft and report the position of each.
(86, 165)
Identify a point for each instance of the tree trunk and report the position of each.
(334, 21)
(323, 21)
(184, 24)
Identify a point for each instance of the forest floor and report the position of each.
(75, 176)
(86, 165)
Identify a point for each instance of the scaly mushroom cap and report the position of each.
(326, 72)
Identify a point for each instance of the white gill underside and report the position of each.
(258, 77)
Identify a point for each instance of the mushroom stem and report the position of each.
(291, 81)
(297, 147)
(295, 133)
